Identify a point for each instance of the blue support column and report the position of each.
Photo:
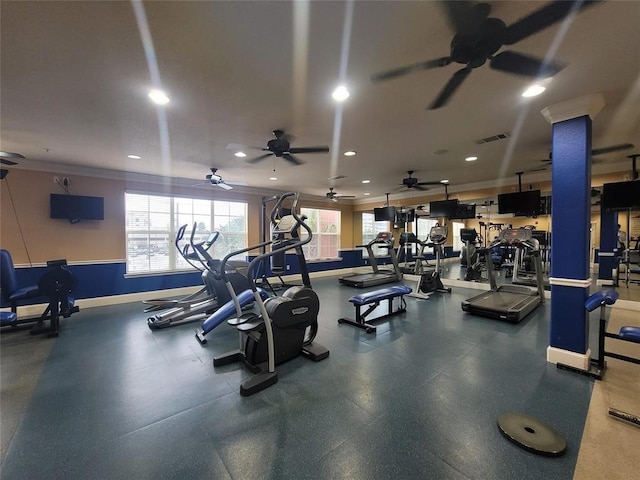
(570, 224)
(608, 244)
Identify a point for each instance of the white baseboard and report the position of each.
(567, 357)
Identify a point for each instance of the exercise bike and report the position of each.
(429, 281)
(285, 326)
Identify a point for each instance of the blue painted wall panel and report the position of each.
(569, 326)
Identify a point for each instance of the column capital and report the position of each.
(577, 107)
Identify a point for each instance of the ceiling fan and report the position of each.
(214, 179)
(478, 37)
(280, 147)
(8, 158)
(594, 152)
(331, 195)
(412, 182)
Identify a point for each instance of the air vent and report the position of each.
(337, 177)
(495, 138)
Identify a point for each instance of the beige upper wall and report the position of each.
(105, 240)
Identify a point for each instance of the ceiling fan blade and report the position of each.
(261, 157)
(323, 149)
(542, 18)
(448, 90)
(414, 67)
(292, 159)
(224, 185)
(7, 162)
(429, 183)
(3, 173)
(611, 149)
(417, 186)
(513, 62)
(466, 17)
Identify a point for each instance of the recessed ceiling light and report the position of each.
(470, 159)
(533, 90)
(273, 178)
(366, 193)
(134, 157)
(350, 153)
(444, 181)
(158, 97)
(366, 181)
(240, 154)
(340, 94)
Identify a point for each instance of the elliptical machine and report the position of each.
(429, 281)
(209, 298)
(474, 265)
(285, 326)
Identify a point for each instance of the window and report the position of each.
(152, 223)
(370, 228)
(422, 227)
(455, 229)
(325, 227)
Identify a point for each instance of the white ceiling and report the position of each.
(75, 77)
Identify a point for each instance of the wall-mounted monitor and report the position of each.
(521, 204)
(405, 216)
(443, 208)
(621, 195)
(465, 210)
(384, 214)
(76, 207)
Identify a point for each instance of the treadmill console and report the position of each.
(383, 237)
(516, 235)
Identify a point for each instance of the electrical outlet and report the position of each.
(56, 180)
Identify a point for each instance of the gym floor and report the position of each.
(420, 399)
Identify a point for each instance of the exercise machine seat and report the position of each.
(603, 297)
(381, 294)
(11, 293)
(630, 334)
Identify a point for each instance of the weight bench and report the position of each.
(626, 334)
(372, 300)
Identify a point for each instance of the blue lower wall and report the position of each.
(107, 279)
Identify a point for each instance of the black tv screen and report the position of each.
(465, 210)
(521, 204)
(443, 208)
(405, 216)
(76, 207)
(621, 195)
(384, 214)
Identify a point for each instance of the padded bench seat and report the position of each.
(7, 318)
(372, 300)
(379, 295)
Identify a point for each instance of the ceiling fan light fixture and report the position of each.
(533, 90)
(444, 181)
(340, 94)
(240, 154)
(158, 97)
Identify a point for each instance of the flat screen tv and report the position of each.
(76, 207)
(384, 214)
(465, 210)
(443, 208)
(621, 195)
(405, 216)
(521, 204)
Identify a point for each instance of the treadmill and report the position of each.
(511, 303)
(378, 276)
